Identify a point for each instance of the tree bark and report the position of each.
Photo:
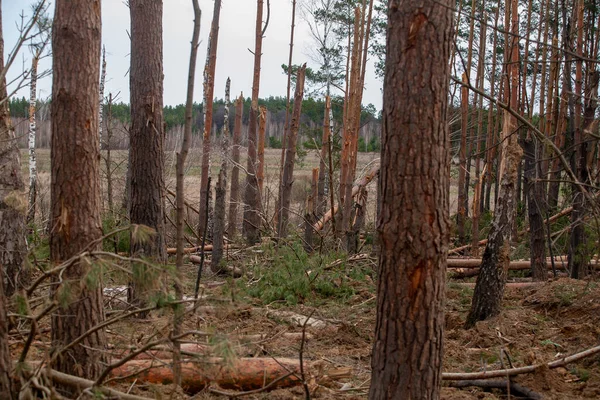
(146, 142)
(234, 195)
(209, 88)
(6, 387)
(221, 190)
(413, 223)
(262, 126)
(13, 205)
(321, 199)
(489, 289)
(31, 142)
(75, 184)
(252, 219)
(290, 156)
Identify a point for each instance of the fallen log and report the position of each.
(508, 285)
(365, 180)
(82, 384)
(297, 319)
(237, 374)
(515, 388)
(501, 373)
(188, 250)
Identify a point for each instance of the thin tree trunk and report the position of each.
(290, 156)
(252, 217)
(489, 289)
(146, 144)
(234, 195)
(31, 142)
(286, 125)
(75, 185)
(461, 213)
(577, 253)
(180, 192)
(209, 89)
(101, 96)
(413, 224)
(262, 126)
(221, 189)
(310, 213)
(321, 205)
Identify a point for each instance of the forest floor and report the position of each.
(537, 325)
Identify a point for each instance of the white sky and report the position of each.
(236, 36)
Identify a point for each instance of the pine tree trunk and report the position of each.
(12, 230)
(221, 189)
(6, 387)
(461, 213)
(13, 205)
(75, 184)
(209, 88)
(252, 218)
(489, 289)
(290, 157)
(413, 223)
(535, 206)
(234, 195)
(146, 153)
(262, 126)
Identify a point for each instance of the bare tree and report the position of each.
(221, 189)
(234, 195)
(75, 192)
(180, 200)
(290, 157)
(413, 223)
(209, 88)
(252, 219)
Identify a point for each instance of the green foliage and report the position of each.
(118, 242)
(295, 276)
(274, 142)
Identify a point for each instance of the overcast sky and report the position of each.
(236, 36)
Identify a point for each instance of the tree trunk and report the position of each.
(209, 88)
(321, 199)
(101, 96)
(290, 156)
(461, 213)
(234, 195)
(180, 194)
(413, 224)
(146, 142)
(221, 190)
(31, 142)
(489, 289)
(535, 207)
(262, 126)
(6, 387)
(12, 225)
(310, 213)
(75, 185)
(13, 205)
(252, 219)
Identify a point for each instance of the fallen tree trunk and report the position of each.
(188, 250)
(237, 374)
(365, 180)
(514, 265)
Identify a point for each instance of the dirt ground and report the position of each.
(538, 324)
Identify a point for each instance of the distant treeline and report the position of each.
(312, 111)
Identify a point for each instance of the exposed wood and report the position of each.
(363, 182)
(209, 89)
(237, 374)
(290, 157)
(234, 194)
